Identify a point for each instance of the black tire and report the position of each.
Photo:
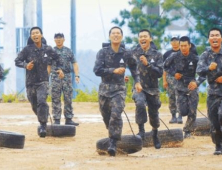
(60, 130)
(169, 139)
(12, 140)
(201, 127)
(127, 145)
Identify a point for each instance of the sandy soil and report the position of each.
(79, 152)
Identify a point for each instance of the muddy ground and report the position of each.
(79, 152)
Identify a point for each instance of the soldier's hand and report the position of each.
(77, 80)
(144, 60)
(219, 79)
(138, 87)
(120, 70)
(165, 84)
(30, 65)
(192, 85)
(213, 66)
(126, 79)
(60, 74)
(178, 76)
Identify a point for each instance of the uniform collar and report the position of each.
(36, 48)
(110, 50)
(211, 51)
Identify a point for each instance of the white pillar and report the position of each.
(9, 52)
(28, 17)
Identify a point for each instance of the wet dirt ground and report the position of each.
(79, 152)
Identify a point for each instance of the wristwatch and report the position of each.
(77, 76)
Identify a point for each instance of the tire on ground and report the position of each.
(201, 127)
(169, 139)
(60, 130)
(12, 140)
(127, 145)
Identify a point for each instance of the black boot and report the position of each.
(42, 131)
(218, 143)
(179, 119)
(141, 131)
(218, 150)
(56, 122)
(156, 141)
(173, 119)
(112, 147)
(187, 134)
(70, 122)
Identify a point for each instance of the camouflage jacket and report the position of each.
(203, 71)
(41, 57)
(171, 69)
(185, 66)
(149, 74)
(106, 62)
(67, 60)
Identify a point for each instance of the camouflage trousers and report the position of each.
(111, 109)
(187, 106)
(214, 109)
(37, 95)
(60, 86)
(172, 94)
(142, 100)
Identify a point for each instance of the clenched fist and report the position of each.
(138, 87)
(30, 65)
(178, 76)
(144, 60)
(60, 74)
(192, 85)
(120, 70)
(213, 66)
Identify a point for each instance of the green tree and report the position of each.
(143, 16)
(207, 14)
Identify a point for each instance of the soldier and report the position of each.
(110, 65)
(150, 64)
(63, 85)
(169, 82)
(34, 58)
(185, 69)
(210, 67)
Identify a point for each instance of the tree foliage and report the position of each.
(207, 14)
(142, 17)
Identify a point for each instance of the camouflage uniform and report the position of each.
(37, 78)
(171, 84)
(214, 99)
(149, 80)
(62, 85)
(112, 89)
(187, 100)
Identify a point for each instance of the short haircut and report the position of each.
(33, 28)
(117, 28)
(59, 35)
(185, 38)
(145, 30)
(214, 29)
(174, 38)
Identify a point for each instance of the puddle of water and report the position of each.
(31, 119)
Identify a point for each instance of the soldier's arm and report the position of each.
(99, 67)
(53, 55)
(157, 67)
(20, 61)
(202, 69)
(132, 64)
